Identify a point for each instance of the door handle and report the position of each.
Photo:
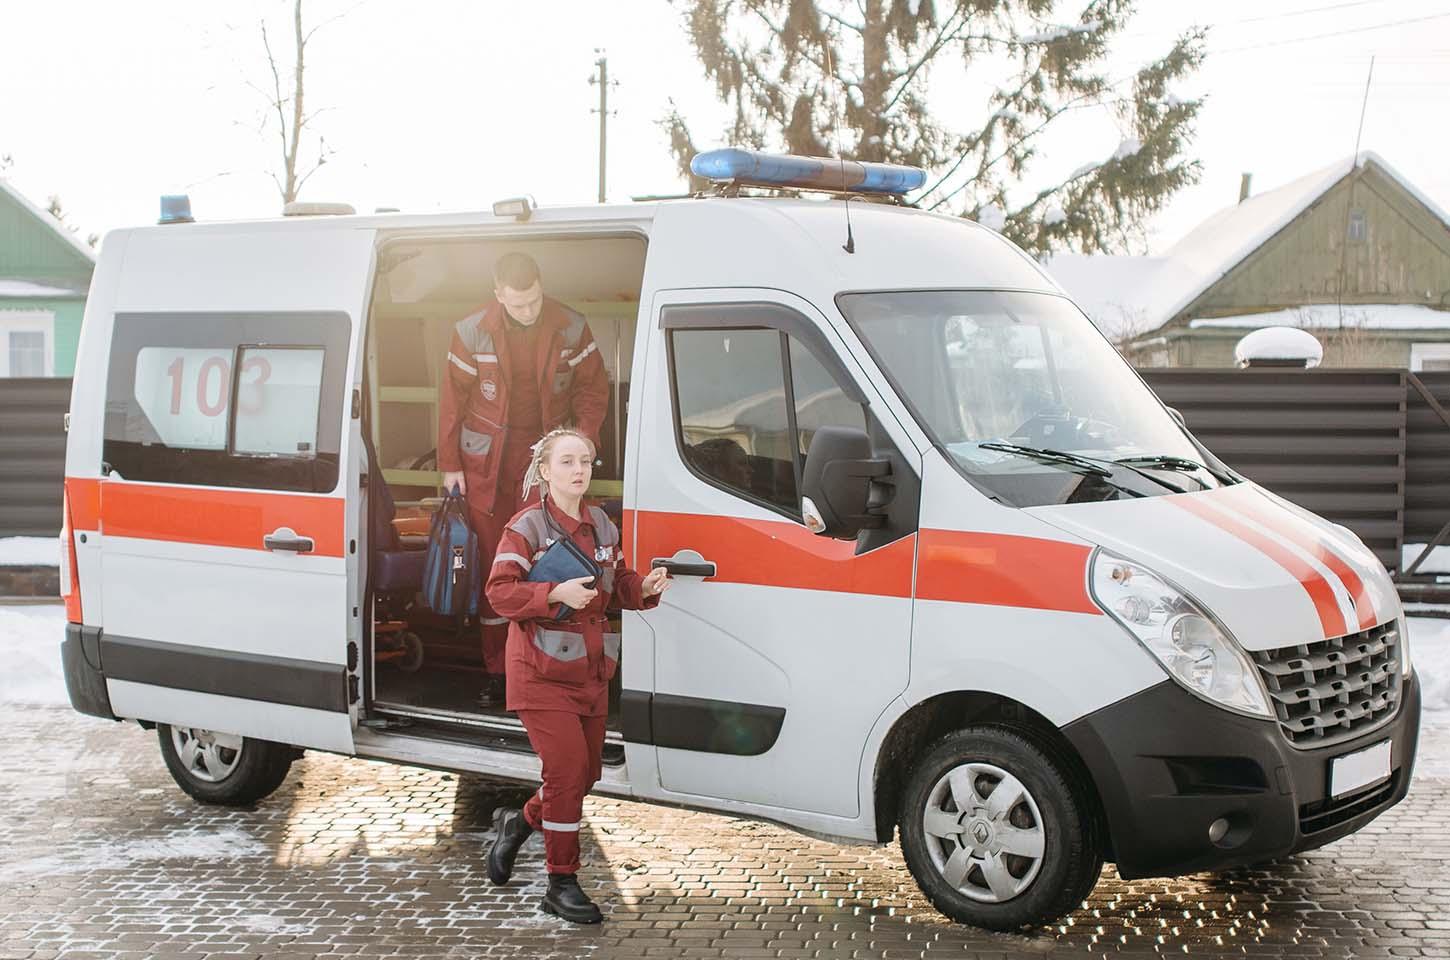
(285, 538)
(685, 563)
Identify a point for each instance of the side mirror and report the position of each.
(1177, 415)
(844, 487)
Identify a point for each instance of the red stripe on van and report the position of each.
(1004, 570)
(773, 553)
(1307, 538)
(84, 494)
(221, 518)
(1331, 619)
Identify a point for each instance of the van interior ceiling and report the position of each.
(427, 669)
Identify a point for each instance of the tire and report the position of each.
(1055, 855)
(223, 769)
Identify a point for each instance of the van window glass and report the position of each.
(819, 399)
(733, 418)
(277, 401)
(227, 400)
(995, 367)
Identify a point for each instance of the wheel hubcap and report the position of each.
(206, 755)
(984, 832)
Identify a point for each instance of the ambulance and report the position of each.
(947, 571)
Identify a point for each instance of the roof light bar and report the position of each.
(809, 173)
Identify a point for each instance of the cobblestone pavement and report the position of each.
(103, 856)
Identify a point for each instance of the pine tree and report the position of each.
(807, 75)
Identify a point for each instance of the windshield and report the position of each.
(997, 378)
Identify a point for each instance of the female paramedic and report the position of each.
(559, 669)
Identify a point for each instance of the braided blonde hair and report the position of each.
(533, 477)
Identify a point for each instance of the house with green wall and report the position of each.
(45, 271)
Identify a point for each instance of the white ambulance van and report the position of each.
(946, 568)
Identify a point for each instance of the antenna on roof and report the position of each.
(850, 245)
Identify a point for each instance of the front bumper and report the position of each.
(1167, 764)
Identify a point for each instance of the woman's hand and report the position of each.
(656, 582)
(573, 593)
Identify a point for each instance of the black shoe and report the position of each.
(495, 692)
(564, 899)
(512, 830)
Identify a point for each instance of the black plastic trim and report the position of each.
(80, 657)
(1167, 765)
(696, 723)
(248, 676)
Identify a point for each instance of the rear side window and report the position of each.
(227, 400)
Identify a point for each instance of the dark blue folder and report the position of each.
(563, 561)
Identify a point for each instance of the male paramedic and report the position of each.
(517, 369)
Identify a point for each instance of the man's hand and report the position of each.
(656, 582)
(454, 478)
(573, 593)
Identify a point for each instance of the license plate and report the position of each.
(1355, 770)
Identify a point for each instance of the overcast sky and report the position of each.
(451, 104)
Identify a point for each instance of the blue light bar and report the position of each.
(808, 173)
(176, 208)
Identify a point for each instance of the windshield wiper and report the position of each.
(1170, 462)
(1049, 456)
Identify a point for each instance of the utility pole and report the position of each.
(602, 79)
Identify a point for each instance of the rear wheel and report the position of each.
(996, 830)
(223, 768)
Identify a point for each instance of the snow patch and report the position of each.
(24, 288)
(1437, 562)
(1279, 343)
(30, 551)
(1129, 147)
(992, 217)
(1054, 214)
(1430, 653)
(227, 844)
(1370, 316)
(913, 7)
(30, 637)
(1060, 31)
(1085, 169)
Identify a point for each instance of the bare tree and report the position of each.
(293, 122)
(54, 207)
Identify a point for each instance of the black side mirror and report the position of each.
(844, 486)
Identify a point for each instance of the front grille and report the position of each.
(1330, 691)
(1314, 817)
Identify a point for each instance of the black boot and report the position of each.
(512, 830)
(564, 899)
(494, 694)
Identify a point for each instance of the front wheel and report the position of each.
(997, 831)
(223, 768)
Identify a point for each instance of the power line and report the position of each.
(1336, 33)
(1308, 10)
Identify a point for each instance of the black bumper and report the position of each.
(80, 656)
(1167, 765)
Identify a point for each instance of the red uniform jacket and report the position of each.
(473, 408)
(560, 664)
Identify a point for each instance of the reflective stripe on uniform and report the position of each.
(611, 645)
(486, 357)
(521, 561)
(574, 361)
(467, 368)
(560, 645)
(494, 621)
(562, 827)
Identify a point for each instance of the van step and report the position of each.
(494, 733)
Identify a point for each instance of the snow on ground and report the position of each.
(29, 551)
(1437, 562)
(1430, 652)
(30, 637)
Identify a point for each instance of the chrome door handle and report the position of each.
(285, 538)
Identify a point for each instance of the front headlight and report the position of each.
(1193, 648)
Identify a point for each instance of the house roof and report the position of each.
(1116, 290)
(7, 189)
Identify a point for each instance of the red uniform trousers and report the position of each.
(571, 747)
(490, 527)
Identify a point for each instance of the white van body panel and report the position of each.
(1224, 554)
